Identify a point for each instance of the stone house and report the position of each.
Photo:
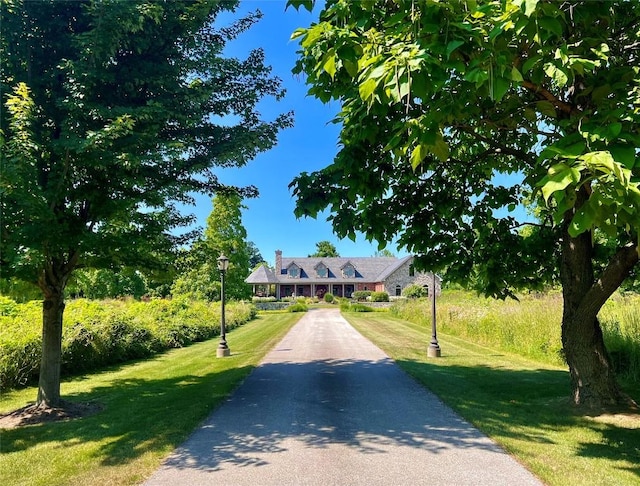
(340, 276)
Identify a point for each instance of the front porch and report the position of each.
(314, 290)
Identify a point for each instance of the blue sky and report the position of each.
(310, 145)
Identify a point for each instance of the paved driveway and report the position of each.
(327, 407)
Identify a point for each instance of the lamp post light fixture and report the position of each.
(223, 349)
(433, 351)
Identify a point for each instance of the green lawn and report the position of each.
(149, 408)
(520, 403)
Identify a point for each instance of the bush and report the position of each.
(100, 333)
(414, 291)
(264, 299)
(328, 297)
(360, 308)
(361, 295)
(379, 297)
(298, 307)
(346, 306)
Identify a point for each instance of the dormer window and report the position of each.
(293, 271)
(348, 271)
(322, 270)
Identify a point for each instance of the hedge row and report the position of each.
(100, 333)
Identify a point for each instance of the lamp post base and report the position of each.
(222, 352)
(433, 351)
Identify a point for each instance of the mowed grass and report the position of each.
(148, 408)
(520, 403)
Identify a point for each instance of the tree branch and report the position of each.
(498, 148)
(612, 277)
(546, 95)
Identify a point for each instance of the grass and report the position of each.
(149, 407)
(520, 403)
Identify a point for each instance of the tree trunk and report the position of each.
(52, 282)
(593, 381)
(49, 381)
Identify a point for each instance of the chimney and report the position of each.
(278, 262)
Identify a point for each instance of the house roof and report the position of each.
(262, 275)
(367, 269)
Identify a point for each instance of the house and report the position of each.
(340, 276)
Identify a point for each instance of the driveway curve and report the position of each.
(327, 407)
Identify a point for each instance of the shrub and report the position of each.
(379, 297)
(100, 333)
(264, 299)
(298, 307)
(361, 295)
(7, 306)
(346, 306)
(414, 291)
(328, 297)
(360, 308)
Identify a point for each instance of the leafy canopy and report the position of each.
(456, 113)
(115, 112)
(325, 249)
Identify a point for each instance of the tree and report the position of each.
(113, 112)
(103, 283)
(456, 113)
(325, 249)
(256, 257)
(385, 252)
(226, 234)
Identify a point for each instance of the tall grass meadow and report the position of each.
(100, 333)
(531, 326)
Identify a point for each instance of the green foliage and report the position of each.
(298, 307)
(379, 297)
(199, 283)
(19, 290)
(528, 327)
(414, 291)
(361, 295)
(455, 114)
(94, 121)
(439, 98)
(104, 283)
(264, 299)
(346, 306)
(328, 297)
(199, 277)
(114, 115)
(100, 333)
(325, 249)
(620, 319)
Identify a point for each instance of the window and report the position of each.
(322, 270)
(412, 271)
(294, 271)
(349, 271)
(398, 291)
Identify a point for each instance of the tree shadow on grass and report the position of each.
(136, 416)
(367, 406)
(529, 405)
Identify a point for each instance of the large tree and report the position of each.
(456, 113)
(112, 112)
(225, 234)
(325, 249)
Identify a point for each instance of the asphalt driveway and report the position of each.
(327, 407)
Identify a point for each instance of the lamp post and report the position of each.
(433, 351)
(223, 349)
